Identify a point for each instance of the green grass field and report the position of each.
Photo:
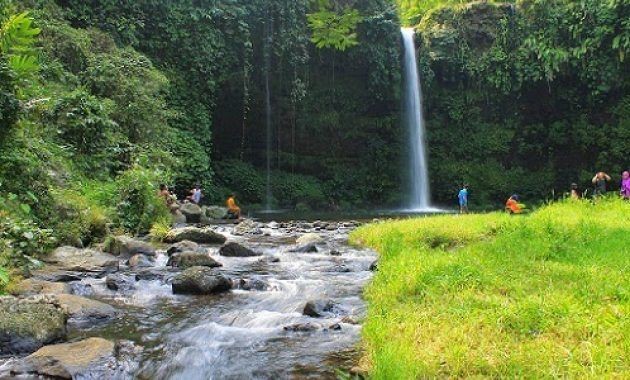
(544, 295)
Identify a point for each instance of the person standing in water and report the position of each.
(625, 185)
(599, 181)
(234, 212)
(463, 200)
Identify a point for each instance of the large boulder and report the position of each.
(184, 246)
(247, 227)
(236, 250)
(192, 212)
(215, 212)
(119, 282)
(31, 287)
(28, 324)
(140, 261)
(196, 235)
(319, 308)
(84, 310)
(200, 280)
(252, 284)
(306, 248)
(93, 358)
(82, 260)
(127, 247)
(309, 238)
(186, 260)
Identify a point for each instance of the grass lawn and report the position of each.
(537, 296)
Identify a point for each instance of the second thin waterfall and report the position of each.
(420, 196)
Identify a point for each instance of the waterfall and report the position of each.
(268, 46)
(413, 117)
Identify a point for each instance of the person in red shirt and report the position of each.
(512, 206)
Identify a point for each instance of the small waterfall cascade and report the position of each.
(420, 195)
(268, 113)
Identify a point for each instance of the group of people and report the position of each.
(195, 196)
(600, 184)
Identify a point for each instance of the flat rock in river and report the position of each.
(319, 308)
(200, 280)
(28, 324)
(236, 250)
(192, 259)
(83, 309)
(309, 238)
(82, 260)
(127, 247)
(31, 286)
(184, 246)
(196, 235)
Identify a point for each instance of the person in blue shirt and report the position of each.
(463, 200)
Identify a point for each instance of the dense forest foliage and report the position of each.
(100, 101)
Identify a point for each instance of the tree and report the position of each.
(17, 37)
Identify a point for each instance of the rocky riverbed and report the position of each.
(246, 301)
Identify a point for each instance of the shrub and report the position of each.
(241, 178)
(292, 189)
(77, 221)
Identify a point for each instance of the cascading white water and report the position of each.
(269, 42)
(420, 196)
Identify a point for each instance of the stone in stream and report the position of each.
(319, 308)
(120, 282)
(252, 284)
(140, 261)
(184, 246)
(302, 327)
(82, 260)
(374, 266)
(186, 260)
(236, 250)
(194, 234)
(127, 247)
(200, 280)
(309, 238)
(31, 287)
(192, 212)
(28, 324)
(93, 358)
(83, 310)
(307, 248)
(334, 252)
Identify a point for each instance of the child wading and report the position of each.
(463, 200)
(625, 185)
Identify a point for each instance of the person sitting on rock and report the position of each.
(195, 195)
(169, 199)
(512, 206)
(234, 212)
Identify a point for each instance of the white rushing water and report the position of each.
(420, 195)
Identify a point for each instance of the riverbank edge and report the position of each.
(494, 295)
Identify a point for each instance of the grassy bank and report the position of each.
(537, 296)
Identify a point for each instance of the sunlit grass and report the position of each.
(537, 296)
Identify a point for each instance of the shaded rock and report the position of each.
(93, 358)
(308, 248)
(192, 259)
(374, 266)
(334, 252)
(50, 275)
(82, 310)
(309, 238)
(252, 285)
(178, 217)
(196, 235)
(200, 280)
(335, 327)
(120, 282)
(236, 250)
(28, 324)
(184, 246)
(127, 247)
(82, 260)
(302, 327)
(151, 275)
(140, 261)
(318, 308)
(31, 286)
(192, 212)
(215, 212)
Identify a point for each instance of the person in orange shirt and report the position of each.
(234, 212)
(512, 206)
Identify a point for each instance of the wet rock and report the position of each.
(52, 275)
(335, 327)
(82, 260)
(236, 250)
(302, 327)
(252, 285)
(319, 308)
(151, 275)
(309, 238)
(184, 246)
(28, 324)
(119, 282)
(140, 261)
(341, 268)
(269, 260)
(192, 212)
(126, 247)
(334, 252)
(246, 227)
(215, 212)
(83, 310)
(178, 218)
(93, 358)
(350, 320)
(192, 259)
(31, 287)
(196, 235)
(308, 248)
(374, 266)
(200, 280)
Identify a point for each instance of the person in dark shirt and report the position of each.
(599, 181)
